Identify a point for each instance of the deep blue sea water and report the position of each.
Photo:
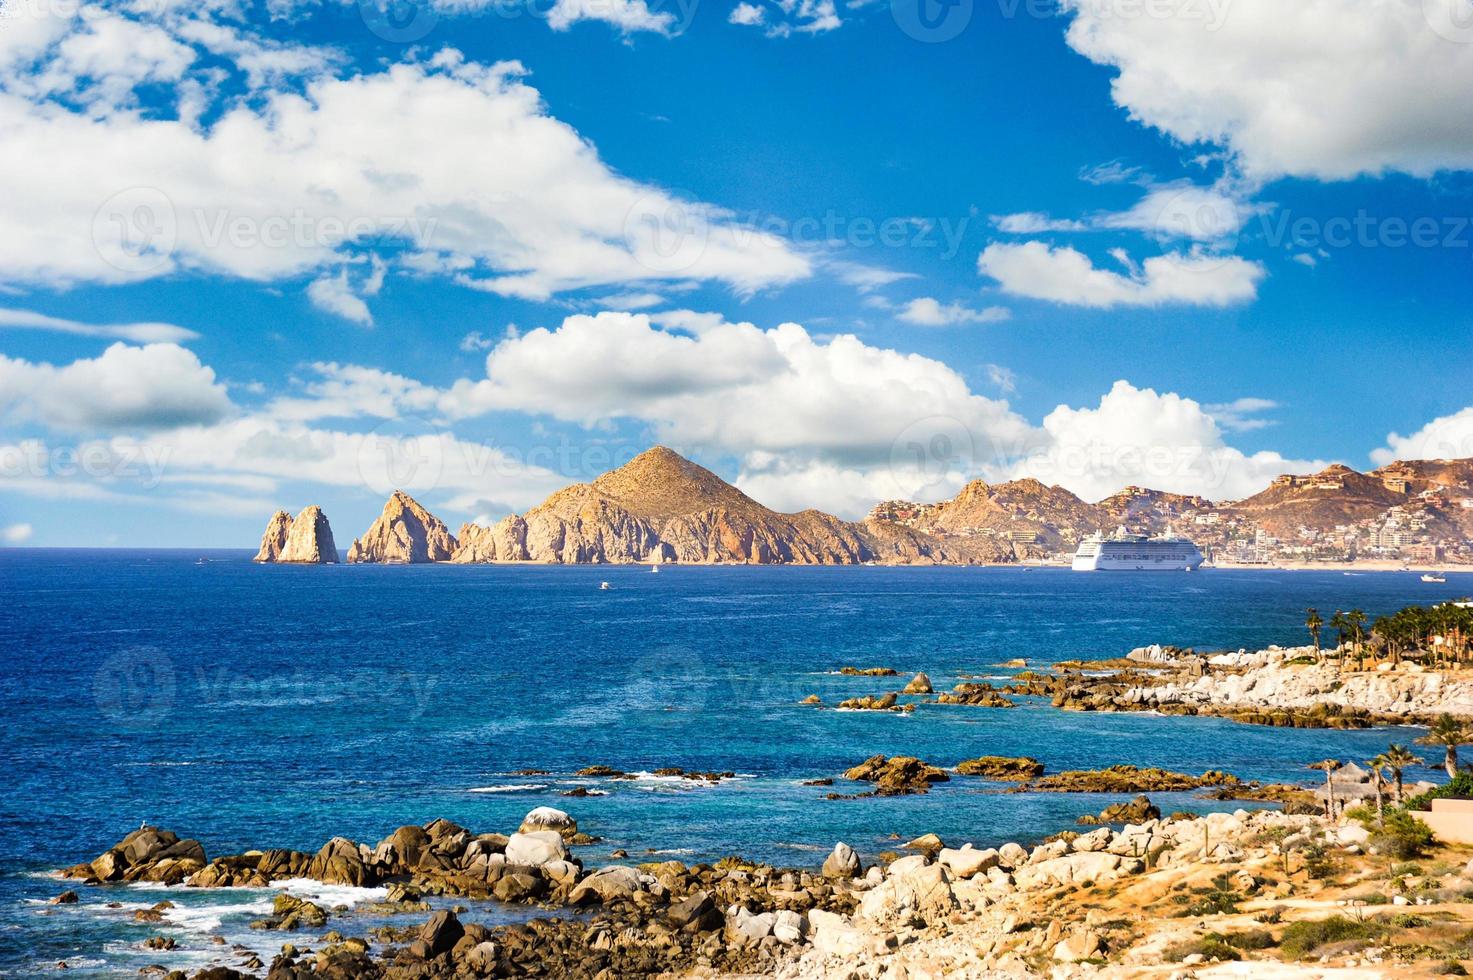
(277, 706)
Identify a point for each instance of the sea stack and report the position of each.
(404, 534)
(310, 540)
(274, 540)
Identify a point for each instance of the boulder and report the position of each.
(1138, 810)
(833, 935)
(745, 929)
(1072, 868)
(1012, 855)
(896, 775)
(924, 892)
(1084, 944)
(549, 818)
(441, 933)
(919, 684)
(966, 861)
(788, 927)
(1001, 767)
(339, 862)
(612, 883)
(842, 862)
(536, 849)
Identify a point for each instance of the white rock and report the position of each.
(832, 934)
(1012, 855)
(966, 862)
(536, 849)
(788, 927)
(548, 818)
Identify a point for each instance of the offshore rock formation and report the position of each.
(662, 507)
(274, 540)
(303, 540)
(404, 534)
(310, 540)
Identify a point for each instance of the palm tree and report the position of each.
(1313, 621)
(1329, 766)
(1341, 626)
(1378, 780)
(1357, 620)
(1396, 758)
(1448, 733)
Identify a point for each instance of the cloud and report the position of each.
(142, 333)
(1445, 437)
(1002, 378)
(1241, 415)
(158, 386)
(781, 400)
(1166, 211)
(1064, 275)
(747, 15)
(1137, 436)
(293, 180)
(1035, 223)
(783, 18)
(1327, 89)
(928, 312)
(16, 533)
(333, 294)
(628, 16)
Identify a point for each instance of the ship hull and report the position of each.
(1177, 560)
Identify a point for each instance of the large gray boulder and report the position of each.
(536, 849)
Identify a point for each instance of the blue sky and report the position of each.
(265, 255)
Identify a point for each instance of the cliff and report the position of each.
(274, 540)
(404, 534)
(303, 540)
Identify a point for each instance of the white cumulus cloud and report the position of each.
(929, 312)
(1066, 275)
(1326, 89)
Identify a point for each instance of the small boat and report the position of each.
(604, 586)
(654, 569)
(1433, 577)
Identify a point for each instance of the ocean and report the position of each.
(277, 706)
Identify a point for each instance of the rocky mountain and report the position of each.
(1154, 512)
(404, 534)
(303, 540)
(1336, 495)
(1022, 517)
(662, 507)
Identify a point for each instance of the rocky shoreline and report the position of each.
(1114, 901)
(1282, 687)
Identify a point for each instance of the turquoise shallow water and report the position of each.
(277, 706)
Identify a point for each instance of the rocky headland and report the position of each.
(1141, 896)
(1287, 687)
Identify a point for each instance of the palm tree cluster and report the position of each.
(1441, 635)
(1442, 631)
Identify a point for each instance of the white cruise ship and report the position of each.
(1135, 553)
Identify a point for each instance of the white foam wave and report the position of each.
(330, 896)
(511, 788)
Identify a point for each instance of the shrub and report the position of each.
(1452, 968)
(1252, 939)
(1408, 920)
(1211, 946)
(1460, 787)
(1402, 836)
(1302, 938)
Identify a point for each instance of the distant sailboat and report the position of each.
(604, 586)
(1434, 577)
(654, 569)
